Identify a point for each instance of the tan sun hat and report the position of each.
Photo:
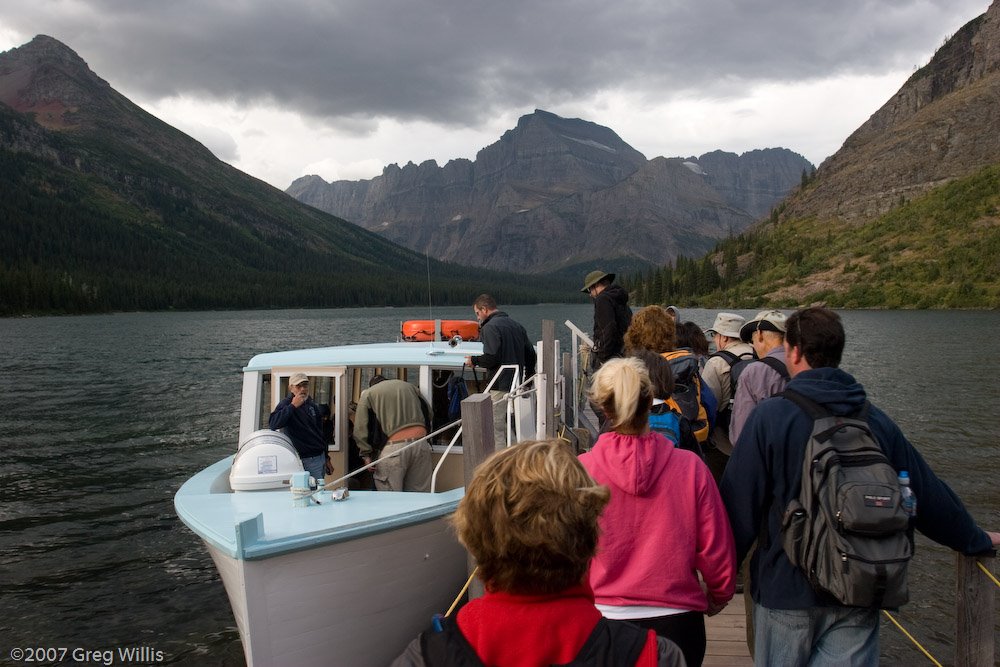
(297, 379)
(727, 324)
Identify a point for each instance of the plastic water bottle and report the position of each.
(908, 498)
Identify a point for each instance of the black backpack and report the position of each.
(736, 365)
(610, 644)
(686, 398)
(847, 529)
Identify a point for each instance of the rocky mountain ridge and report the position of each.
(554, 193)
(904, 215)
(941, 124)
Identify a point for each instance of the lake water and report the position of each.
(104, 417)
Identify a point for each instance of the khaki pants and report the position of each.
(409, 470)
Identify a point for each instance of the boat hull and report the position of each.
(358, 602)
(339, 583)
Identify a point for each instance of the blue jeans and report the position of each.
(819, 636)
(315, 466)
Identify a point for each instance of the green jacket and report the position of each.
(384, 409)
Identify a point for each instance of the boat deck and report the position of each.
(727, 637)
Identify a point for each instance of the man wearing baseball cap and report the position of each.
(300, 417)
(766, 377)
(720, 377)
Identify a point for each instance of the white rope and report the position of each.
(306, 492)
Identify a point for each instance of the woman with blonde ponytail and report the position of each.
(665, 556)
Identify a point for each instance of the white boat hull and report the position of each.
(340, 583)
(350, 603)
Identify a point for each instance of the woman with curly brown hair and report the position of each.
(652, 328)
(529, 518)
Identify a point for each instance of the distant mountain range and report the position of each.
(905, 215)
(563, 194)
(106, 207)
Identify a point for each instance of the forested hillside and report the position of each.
(941, 250)
(105, 207)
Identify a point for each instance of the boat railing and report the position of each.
(520, 390)
(444, 429)
(444, 454)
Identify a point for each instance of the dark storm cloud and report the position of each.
(458, 61)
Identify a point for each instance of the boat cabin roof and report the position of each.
(437, 354)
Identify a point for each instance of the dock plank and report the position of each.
(727, 638)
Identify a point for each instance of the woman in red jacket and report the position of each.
(529, 518)
(665, 524)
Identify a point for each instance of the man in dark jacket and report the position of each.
(612, 315)
(505, 342)
(302, 422)
(793, 621)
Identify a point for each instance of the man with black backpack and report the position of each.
(762, 378)
(812, 613)
(719, 376)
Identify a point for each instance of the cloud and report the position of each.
(360, 79)
(460, 61)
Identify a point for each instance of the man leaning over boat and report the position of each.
(390, 416)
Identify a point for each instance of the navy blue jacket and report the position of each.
(303, 426)
(765, 473)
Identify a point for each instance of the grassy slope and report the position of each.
(941, 250)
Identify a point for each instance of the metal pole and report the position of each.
(549, 369)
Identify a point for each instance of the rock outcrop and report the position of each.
(556, 192)
(942, 124)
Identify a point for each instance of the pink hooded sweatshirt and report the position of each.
(664, 524)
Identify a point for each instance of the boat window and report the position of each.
(362, 377)
(265, 404)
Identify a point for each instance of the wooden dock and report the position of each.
(727, 636)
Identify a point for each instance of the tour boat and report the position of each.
(318, 581)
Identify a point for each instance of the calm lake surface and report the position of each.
(106, 416)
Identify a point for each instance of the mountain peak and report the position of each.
(50, 48)
(49, 79)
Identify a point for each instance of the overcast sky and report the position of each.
(341, 88)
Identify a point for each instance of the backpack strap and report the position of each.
(809, 406)
(817, 412)
(612, 644)
(730, 358)
(778, 365)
